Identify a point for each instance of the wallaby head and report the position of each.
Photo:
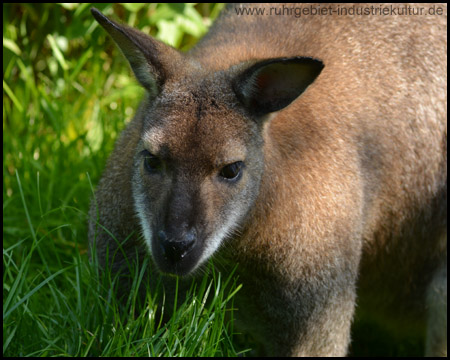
(199, 160)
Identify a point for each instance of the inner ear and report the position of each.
(271, 85)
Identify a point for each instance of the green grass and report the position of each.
(67, 94)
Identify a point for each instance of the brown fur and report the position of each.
(344, 188)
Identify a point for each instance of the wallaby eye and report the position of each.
(151, 163)
(232, 171)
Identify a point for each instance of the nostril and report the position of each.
(173, 249)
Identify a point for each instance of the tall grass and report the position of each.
(67, 94)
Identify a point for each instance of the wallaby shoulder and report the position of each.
(270, 33)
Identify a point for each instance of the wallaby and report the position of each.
(308, 148)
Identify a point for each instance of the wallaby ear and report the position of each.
(271, 85)
(150, 59)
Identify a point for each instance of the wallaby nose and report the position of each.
(175, 249)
